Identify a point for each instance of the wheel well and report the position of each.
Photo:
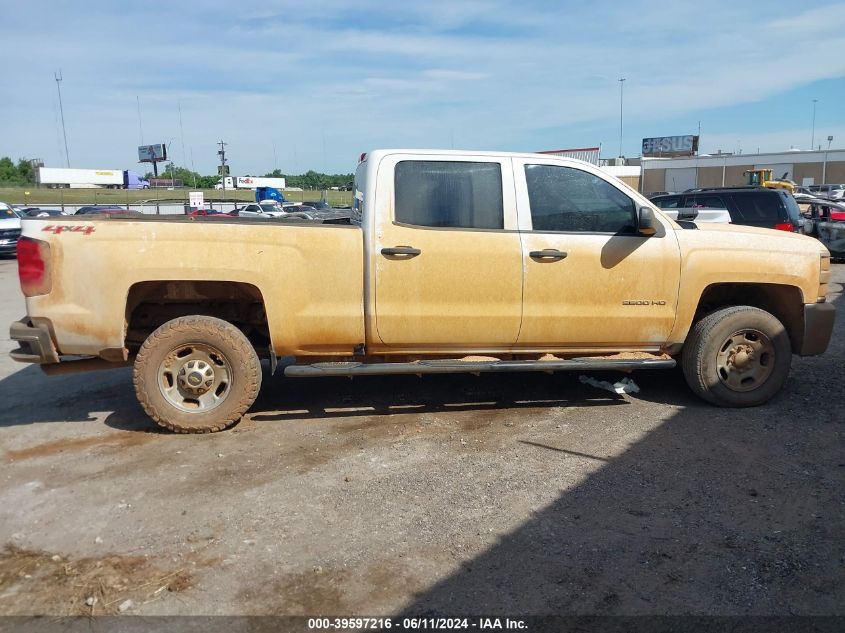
(153, 303)
(784, 302)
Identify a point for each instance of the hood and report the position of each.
(742, 237)
(10, 223)
(750, 230)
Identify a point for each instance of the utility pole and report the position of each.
(140, 125)
(813, 133)
(222, 154)
(621, 91)
(58, 78)
(182, 134)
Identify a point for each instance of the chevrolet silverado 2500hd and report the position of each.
(453, 262)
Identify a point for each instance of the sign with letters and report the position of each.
(671, 146)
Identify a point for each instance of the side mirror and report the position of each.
(646, 224)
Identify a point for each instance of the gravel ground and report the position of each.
(521, 494)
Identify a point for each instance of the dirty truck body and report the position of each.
(454, 262)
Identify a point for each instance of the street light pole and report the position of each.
(58, 78)
(621, 91)
(824, 164)
(813, 133)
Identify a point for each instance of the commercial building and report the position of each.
(804, 167)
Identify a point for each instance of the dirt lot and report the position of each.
(523, 494)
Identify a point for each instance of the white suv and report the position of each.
(10, 230)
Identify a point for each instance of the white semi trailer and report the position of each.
(61, 177)
(250, 182)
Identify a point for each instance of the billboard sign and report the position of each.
(671, 146)
(196, 199)
(152, 153)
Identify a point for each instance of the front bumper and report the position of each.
(35, 343)
(818, 328)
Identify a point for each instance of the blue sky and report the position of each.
(310, 85)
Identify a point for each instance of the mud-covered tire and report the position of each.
(234, 352)
(709, 343)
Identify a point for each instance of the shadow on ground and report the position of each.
(715, 512)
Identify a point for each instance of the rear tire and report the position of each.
(196, 374)
(737, 357)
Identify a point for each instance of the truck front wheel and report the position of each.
(196, 374)
(737, 357)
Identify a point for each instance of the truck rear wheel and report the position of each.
(196, 374)
(737, 357)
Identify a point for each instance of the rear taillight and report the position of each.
(786, 226)
(34, 266)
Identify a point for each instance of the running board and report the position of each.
(470, 367)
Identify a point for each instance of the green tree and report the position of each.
(25, 172)
(8, 171)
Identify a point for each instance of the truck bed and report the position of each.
(306, 276)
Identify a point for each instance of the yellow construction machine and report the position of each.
(763, 178)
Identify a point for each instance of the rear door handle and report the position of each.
(548, 253)
(401, 250)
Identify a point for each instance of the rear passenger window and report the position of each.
(709, 202)
(449, 194)
(567, 199)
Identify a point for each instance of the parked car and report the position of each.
(826, 209)
(107, 210)
(264, 210)
(834, 192)
(37, 212)
(10, 229)
(751, 206)
(321, 205)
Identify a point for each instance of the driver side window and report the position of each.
(571, 200)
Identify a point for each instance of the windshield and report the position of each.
(269, 207)
(7, 213)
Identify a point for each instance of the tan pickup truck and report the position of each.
(453, 262)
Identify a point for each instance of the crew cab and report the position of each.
(453, 262)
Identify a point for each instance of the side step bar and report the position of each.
(457, 366)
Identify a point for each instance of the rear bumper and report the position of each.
(34, 341)
(818, 328)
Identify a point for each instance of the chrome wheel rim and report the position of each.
(195, 378)
(745, 360)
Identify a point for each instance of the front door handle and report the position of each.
(401, 250)
(548, 253)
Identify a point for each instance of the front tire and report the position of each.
(196, 374)
(737, 357)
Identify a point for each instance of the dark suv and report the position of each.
(754, 206)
